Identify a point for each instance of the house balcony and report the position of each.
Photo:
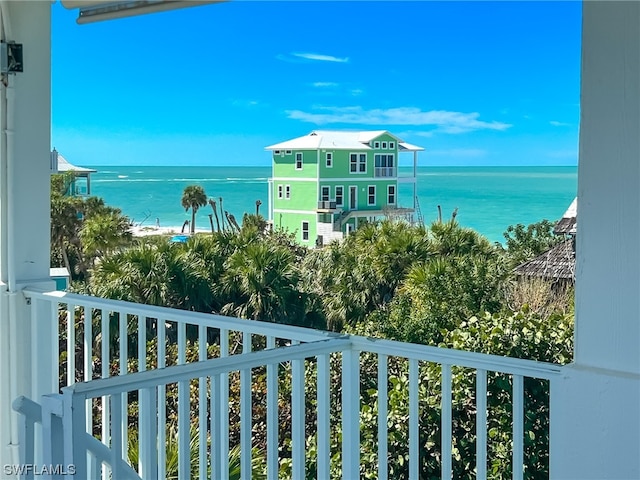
(176, 393)
(384, 172)
(326, 206)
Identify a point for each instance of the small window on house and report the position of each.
(287, 152)
(339, 196)
(391, 194)
(324, 194)
(299, 161)
(362, 163)
(279, 191)
(287, 191)
(392, 145)
(276, 152)
(353, 163)
(371, 199)
(376, 144)
(384, 145)
(305, 231)
(329, 159)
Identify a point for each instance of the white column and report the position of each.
(25, 114)
(596, 407)
(415, 181)
(270, 199)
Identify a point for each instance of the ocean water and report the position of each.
(488, 199)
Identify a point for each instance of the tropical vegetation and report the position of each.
(441, 285)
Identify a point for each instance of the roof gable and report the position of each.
(338, 140)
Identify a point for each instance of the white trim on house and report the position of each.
(358, 163)
(294, 179)
(301, 212)
(339, 179)
(349, 198)
(335, 195)
(369, 203)
(395, 194)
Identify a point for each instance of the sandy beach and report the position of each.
(145, 231)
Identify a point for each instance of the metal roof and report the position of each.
(408, 147)
(339, 140)
(65, 166)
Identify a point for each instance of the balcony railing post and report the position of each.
(52, 429)
(350, 414)
(73, 427)
(147, 434)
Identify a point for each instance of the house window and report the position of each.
(287, 152)
(362, 163)
(376, 144)
(384, 145)
(305, 231)
(392, 145)
(358, 163)
(339, 196)
(299, 161)
(384, 165)
(329, 159)
(287, 191)
(391, 194)
(279, 191)
(371, 198)
(324, 195)
(276, 152)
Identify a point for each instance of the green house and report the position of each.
(326, 183)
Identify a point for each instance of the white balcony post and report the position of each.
(25, 113)
(596, 408)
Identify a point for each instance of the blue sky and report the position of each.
(475, 83)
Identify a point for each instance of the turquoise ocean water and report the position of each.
(489, 199)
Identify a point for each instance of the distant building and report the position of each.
(326, 183)
(557, 264)
(81, 183)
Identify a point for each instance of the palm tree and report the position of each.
(193, 198)
(261, 281)
(221, 212)
(212, 202)
(103, 233)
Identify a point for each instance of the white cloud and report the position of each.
(356, 91)
(324, 84)
(442, 120)
(559, 124)
(321, 58)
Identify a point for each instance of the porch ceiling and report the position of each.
(95, 11)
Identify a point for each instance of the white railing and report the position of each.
(153, 336)
(295, 382)
(385, 172)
